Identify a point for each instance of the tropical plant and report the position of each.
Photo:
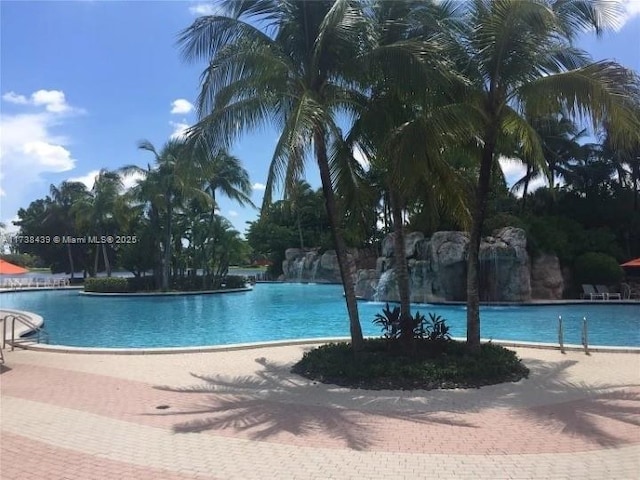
(408, 124)
(597, 268)
(95, 213)
(436, 329)
(62, 217)
(288, 61)
(521, 61)
(391, 321)
(164, 188)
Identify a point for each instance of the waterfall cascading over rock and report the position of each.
(438, 269)
(309, 266)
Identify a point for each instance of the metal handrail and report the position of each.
(560, 334)
(585, 335)
(25, 321)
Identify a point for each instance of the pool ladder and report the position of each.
(11, 318)
(585, 335)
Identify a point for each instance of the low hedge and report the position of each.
(148, 284)
(378, 368)
(107, 285)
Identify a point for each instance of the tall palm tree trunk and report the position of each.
(357, 341)
(105, 256)
(473, 264)
(71, 265)
(300, 230)
(96, 259)
(525, 189)
(166, 260)
(402, 273)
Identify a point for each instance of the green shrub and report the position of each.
(148, 284)
(597, 268)
(106, 285)
(378, 368)
(434, 329)
(235, 281)
(141, 284)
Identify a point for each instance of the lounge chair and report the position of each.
(590, 292)
(629, 292)
(607, 294)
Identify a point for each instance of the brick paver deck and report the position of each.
(242, 415)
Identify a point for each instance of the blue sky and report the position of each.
(83, 81)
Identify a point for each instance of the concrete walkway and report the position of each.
(242, 415)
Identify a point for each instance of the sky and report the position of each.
(82, 82)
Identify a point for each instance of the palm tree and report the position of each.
(63, 198)
(408, 122)
(296, 71)
(521, 61)
(96, 211)
(224, 173)
(173, 178)
(297, 200)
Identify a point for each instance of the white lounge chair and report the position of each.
(604, 290)
(590, 292)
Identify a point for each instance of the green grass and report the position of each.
(435, 365)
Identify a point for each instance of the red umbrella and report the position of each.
(632, 263)
(7, 268)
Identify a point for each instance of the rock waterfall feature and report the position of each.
(437, 269)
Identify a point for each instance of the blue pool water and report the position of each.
(289, 311)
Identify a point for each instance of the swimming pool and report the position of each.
(290, 311)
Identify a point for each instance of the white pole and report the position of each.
(560, 334)
(585, 335)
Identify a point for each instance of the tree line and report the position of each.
(168, 223)
(422, 85)
(431, 95)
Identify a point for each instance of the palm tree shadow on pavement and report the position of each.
(275, 402)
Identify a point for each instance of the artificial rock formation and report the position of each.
(437, 269)
(310, 266)
(438, 265)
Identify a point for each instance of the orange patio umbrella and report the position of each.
(632, 263)
(7, 268)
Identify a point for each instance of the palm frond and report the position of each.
(602, 92)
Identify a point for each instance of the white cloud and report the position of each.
(28, 146)
(131, 180)
(87, 179)
(259, 186)
(55, 158)
(13, 97)
(512, 168)
(233, 213)
(203, 9)
(90, 178)
(181, 106)
(360, 158)
(631, 10)
(179, 129)
(54, 101)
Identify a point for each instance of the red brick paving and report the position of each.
(606, 420)
(27, 459)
